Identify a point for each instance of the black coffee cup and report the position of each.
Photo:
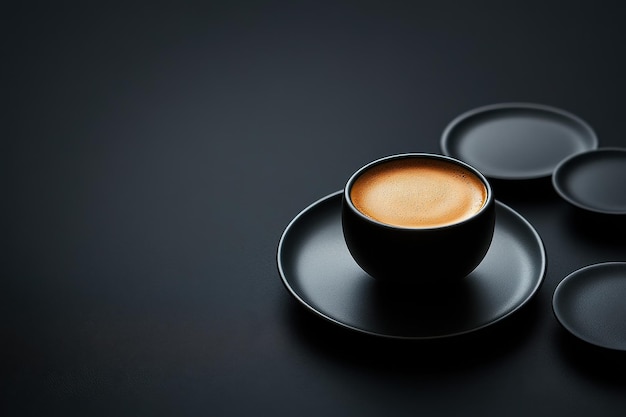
(418, 218)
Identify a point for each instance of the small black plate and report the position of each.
(516, 141)
(594, 180)
(318, 271)
(590, 303)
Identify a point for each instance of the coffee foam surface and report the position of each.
(418, 193)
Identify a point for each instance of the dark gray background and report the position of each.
(152, 155)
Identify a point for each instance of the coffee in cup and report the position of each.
(418, 193)
(418, 217)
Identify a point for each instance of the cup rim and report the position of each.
(346, 191)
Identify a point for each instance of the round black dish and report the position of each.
(318, 271)
(589, 303)
(594, 180)
(516, 141)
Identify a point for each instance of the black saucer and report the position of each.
(516, 141)
(594, 180)
(590, 304)
(318, 271)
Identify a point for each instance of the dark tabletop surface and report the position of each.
(153, 155)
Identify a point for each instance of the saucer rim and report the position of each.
(585, 272)
(559, 172)
(538, 284)
(514, 105)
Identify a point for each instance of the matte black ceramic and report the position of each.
(318, 271)
(590, 304)
(416, 256)
(516, 141)
(594, 181)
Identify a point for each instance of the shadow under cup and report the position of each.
(418, 219)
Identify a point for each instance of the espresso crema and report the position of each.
(418, 193)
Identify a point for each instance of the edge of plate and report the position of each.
(556, 184)
(454, 123)
(559, 317)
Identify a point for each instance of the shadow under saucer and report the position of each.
(405, 356)
(601, 365)
(597, 227)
